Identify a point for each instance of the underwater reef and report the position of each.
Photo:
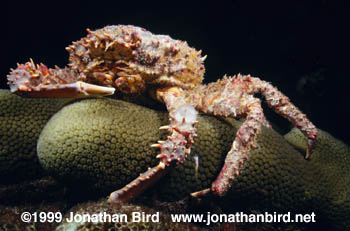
(46, 195)
(106, 143)
(102, 144)
(21, 121)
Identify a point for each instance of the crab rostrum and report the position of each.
(133, 60)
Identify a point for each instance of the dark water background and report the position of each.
(299, 46)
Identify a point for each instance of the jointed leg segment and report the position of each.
(244, 141)
(281, 104)
(234, 97)
(174, 149)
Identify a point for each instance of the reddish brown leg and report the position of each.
(183, 117)
(244, 141)
(239, 152)
(233, 97)
(137, 186)
(281, 104)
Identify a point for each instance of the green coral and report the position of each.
(328, 150)
(332, 158)
(105, 143)
(100, 142)
(21, 121)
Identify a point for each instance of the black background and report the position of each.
(299, 46)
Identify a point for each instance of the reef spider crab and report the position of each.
(131, 60)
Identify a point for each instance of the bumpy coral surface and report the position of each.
(276, 178)
(10, 217)
(332, 157)
(106, 143)
(21, 121)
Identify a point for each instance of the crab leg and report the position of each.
(244, 141)
(39, 81)
(281, 104)
(183, 117)
(137, 186)
(232, 97)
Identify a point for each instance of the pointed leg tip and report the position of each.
(201, 193)
(113, 198)
(308, 155)
(117, 197)
(309, 149)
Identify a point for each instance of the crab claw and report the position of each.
(38, 81)
(72, 90)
